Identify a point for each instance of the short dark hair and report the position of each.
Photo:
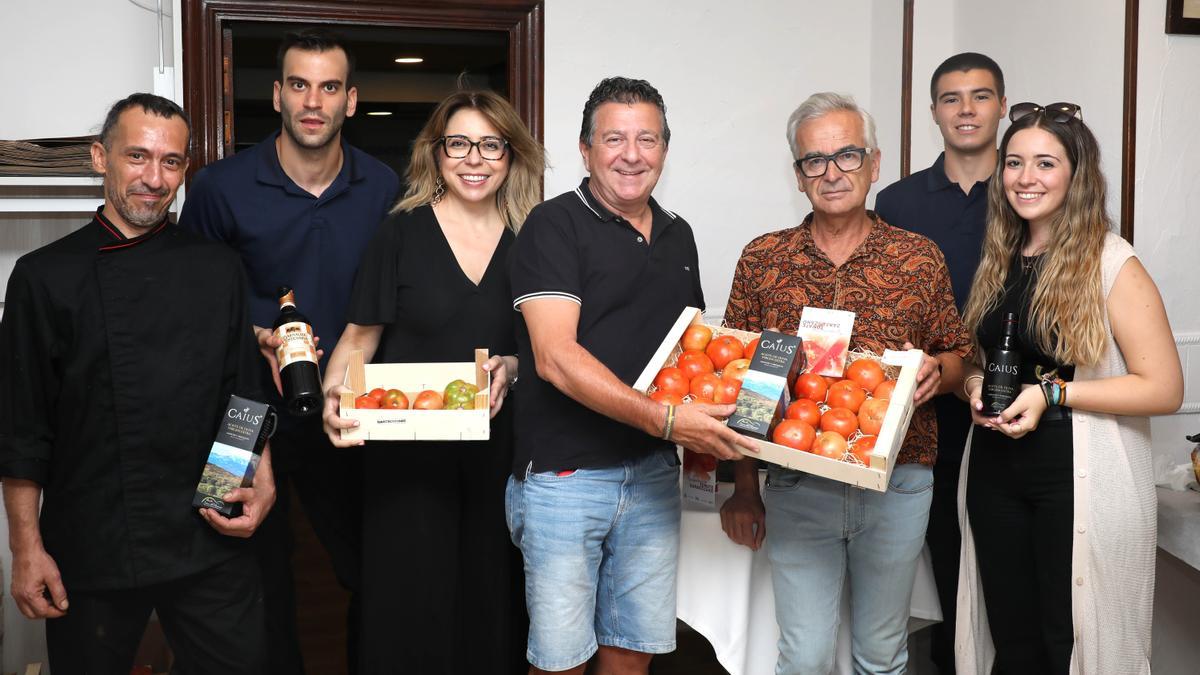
(151, 103)
(961, 63)
(315, 40)
(621, 90)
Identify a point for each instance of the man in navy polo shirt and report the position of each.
(300, 208)
(948, 203)
(600, 274)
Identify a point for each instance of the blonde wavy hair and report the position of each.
(1067, 304)
(521, 190)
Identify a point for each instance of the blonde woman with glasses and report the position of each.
(442, 591)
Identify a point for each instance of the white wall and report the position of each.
(1166, 204)
(65, 62)
(730, 75)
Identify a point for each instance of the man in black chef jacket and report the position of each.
(119, 347)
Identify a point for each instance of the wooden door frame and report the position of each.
(205, 20)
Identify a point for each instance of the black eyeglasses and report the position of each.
(847, 160)
(1055, 112)
(489, 147)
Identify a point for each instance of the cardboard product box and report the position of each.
(902, 365)
(412, 378)
(233, 459)
(767, 385)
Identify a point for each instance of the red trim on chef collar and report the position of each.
(122, 240)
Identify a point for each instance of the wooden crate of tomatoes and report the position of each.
(849, 429)
(417, 401)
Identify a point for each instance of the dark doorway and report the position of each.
(394, 99)
(499, 43)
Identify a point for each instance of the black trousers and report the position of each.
(1019, 498)
(327, 482)
(213, 622)
(443, 584)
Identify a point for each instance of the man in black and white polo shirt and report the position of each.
(600, 275)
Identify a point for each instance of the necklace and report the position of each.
(1028, 262)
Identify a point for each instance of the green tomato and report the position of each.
(460, 395)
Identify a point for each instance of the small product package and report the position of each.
(777, 362)
(233, 459)
(826, 334)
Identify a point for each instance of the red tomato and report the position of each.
(727, 391)
(666, 397)
(884, 390)
(862, 448)
(736, 370)
(365, 402)
(705, 386)
(694, 363)
(748, 351)
(428, 400)
(697, 399)
(724, 349)
(866, 373)
(672, 381)
(811, 387)
(794, 434)
(846, 394)
(871, 414)
(830, 380)
(377, 393)
(394, 399)
(696, 337)
(840, 420)
(805, 410)
(830, 444)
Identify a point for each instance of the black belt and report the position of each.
(1056, 413)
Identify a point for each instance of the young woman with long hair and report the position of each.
(1058, 490)
(442, 590)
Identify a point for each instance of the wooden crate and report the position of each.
(412, 378)
(891, 436)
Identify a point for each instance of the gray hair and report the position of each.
(819, 105)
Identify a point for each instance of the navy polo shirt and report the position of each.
(288, 237)
(629, 291)
(930, 204)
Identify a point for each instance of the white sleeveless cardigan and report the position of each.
(1113, 539)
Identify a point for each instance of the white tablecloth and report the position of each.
(724, 592)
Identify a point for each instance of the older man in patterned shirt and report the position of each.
(844, 257)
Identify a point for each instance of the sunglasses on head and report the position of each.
(1055, 112)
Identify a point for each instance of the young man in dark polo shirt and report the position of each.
(599, 275)
(948, 203)
(300, 208)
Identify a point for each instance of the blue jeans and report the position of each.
(601, 548)
(817, 531)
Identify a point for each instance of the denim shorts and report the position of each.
(600, 547)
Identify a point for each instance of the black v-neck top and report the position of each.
(410, 282)
(1018, 292)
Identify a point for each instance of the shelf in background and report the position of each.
(50, 181)
(51, 205)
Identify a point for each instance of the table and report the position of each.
(724, 593)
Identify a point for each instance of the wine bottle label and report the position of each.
(297, 344)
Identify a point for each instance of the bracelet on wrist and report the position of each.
(669, 425)
(967, 381)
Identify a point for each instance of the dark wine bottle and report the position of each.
(1002, 381)
(297, 357)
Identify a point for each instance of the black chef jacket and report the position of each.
(117, 357)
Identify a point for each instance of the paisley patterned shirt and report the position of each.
(896, 283)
